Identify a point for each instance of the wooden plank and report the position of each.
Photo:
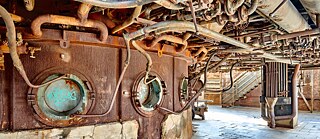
(304, 98)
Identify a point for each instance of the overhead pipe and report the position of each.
(306, 33)
(212, 67)
(253, 7)
(172, 39)
(108, 22)
(11, 34)
(244, 12)
(169, 5)
(284, 15)
(231, 6)
(258, 33)
(83, 12)
(136, 13)
(204, 52)
(147, 10)
(312, 7)
(16, 18)
(58, 19)
(182, 26)
(117, 4)
(294, 95)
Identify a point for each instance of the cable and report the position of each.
(194, 96)
(13, 50)
(127, 62)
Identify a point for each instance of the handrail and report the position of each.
(238, 77)
(245, 82)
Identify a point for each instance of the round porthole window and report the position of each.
(147, 96)
(56, 102)
(62, 98)
(184, 93)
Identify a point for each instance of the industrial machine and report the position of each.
(84, 62)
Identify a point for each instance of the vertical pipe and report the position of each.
(294, 97)
(267, 80)
(272, 79)
(286, 81)
(312, 97)
(281, 78)
(318, 20)
(277, 78)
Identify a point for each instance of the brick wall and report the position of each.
(252, 98)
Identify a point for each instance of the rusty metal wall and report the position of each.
(180, 70)
(5, 94)
(2, 114)
(150, 127)
(101, 66)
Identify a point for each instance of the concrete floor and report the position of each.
(245, 123)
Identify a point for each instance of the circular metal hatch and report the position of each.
(62, 98)
(147, 96)
(54, 103)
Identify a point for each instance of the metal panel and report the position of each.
(180, 70)
(98, 64)
(3, 102)
(150, 127)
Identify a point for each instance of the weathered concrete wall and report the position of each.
(177, 126)
(173, 127)
(116, 130)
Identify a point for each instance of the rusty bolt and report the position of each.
(65, 57)
(126, 93)
(62, 56)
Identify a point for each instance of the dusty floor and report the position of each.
(245, 123)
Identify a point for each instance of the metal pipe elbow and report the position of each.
(83, 12)
(253, 8)
(201, 57)
(244, 12)
(231, 7)
(57, 19)
(172, 39)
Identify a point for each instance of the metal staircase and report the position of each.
(241, 86)
(213, 83)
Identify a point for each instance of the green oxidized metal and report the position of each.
(184, 90)
(62, 98)
(149, 95)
